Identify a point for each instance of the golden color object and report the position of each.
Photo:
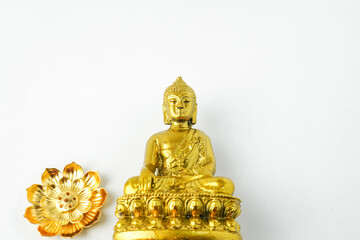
(176, 195)
(66, 202)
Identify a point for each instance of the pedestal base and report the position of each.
(176, 235)
(190, 216)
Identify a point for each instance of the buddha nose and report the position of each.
(180, 106)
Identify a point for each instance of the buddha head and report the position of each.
(179, 103)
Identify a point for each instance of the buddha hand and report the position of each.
(185, 171)
(146, 179)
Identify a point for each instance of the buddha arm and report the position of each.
(207, 166)
(151, 154)
(147, 174)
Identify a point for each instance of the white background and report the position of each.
(278, 88)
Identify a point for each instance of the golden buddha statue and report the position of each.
(176, 195)
(180, 158)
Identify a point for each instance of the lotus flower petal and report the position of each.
(73, 171)
(84, 194)
(48, 202)
(75, 216)
(63, 219)
(71, 229)
(34, 214)
(77, 186)
(92, 179)
(84, 206)
(91, 217)
(98, 197)
(48, 228)
(52, 191)
(35, 193)
(51, 176)
(65, 184)
(51, 212)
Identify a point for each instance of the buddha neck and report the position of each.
(180, 126)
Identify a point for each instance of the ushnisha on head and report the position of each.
(179, 103)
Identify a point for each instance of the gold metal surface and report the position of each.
(66, 202)
(176, 195)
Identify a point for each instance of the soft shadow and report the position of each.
(251, 219)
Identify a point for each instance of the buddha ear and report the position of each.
(166, 117)
(193, 117)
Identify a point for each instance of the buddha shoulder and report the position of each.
(202, 138)
(169, 137)
(156, 137)
(201, 134)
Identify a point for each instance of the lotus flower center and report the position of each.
(66, 201)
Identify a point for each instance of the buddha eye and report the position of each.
(186, 101)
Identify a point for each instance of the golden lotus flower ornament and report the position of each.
(66, 202)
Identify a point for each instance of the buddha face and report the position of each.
(180, 107)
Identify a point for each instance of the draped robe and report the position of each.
(190, 168)
(190, 154)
